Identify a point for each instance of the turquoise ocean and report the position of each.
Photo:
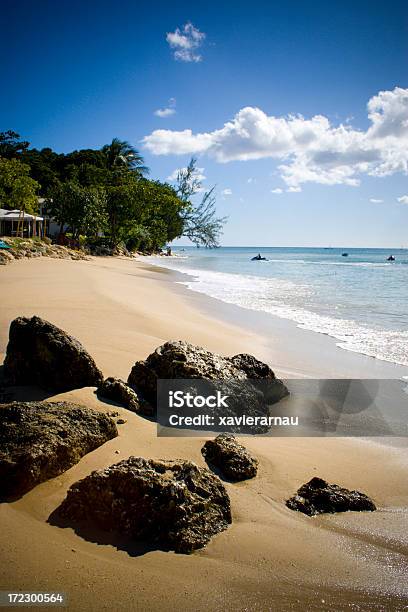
(360, 300)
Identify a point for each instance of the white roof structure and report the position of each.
(14, 215)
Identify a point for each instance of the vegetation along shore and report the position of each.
(101, 199)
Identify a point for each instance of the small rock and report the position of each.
(5, 257)
(173, 505)
(117, 390)
(230, 457)
(121, 421)
(317, 497)
(39, 440)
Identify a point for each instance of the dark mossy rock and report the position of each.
(118, 391)
(40, 353)
(180, 359)
(273, 388)
(170, 505)
(230, 458)
(39, 440)
(318, 497)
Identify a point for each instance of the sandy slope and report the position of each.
(271, 557)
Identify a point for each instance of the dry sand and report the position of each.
(270, 558)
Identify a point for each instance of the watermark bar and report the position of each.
(314, 407)
(22, 599)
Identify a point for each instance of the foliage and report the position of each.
(143, 214)
(11, 145)
(83, 209)
(120, 156)
(17, 188)
(200, 223)
(104, 194)
(44, 167)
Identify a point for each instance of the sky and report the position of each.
(297, 112)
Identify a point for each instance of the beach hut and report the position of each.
(15, 223)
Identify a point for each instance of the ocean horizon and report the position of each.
(360, 299)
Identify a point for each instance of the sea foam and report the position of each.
(276, 296)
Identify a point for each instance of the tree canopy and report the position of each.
(17, 189)
(104, 194)
(200, 223)
(11, 144)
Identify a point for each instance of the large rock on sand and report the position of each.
(39, 440)
(172, 505)
(39, 353)
(180, 359)
(118, 391)
(317, 497)
(231, 458)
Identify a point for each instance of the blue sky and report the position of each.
(75, 74)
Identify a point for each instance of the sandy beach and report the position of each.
(270, 558)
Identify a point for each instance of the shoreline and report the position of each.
(270, 557)
(297, 344)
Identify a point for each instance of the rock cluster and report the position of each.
(181, 360)
(118, 391)
(39, 440)
(230, 458)
(172, 505)
(27, 247)
(317, 497)
(39, 353)
(103, 250)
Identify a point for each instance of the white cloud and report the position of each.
(167, 142)
(403, 199)
(294, 189)
(310, 150)
(277, 190)
(226, 192)
(376, 201)
(164, 112)
(251, 180)
(169, 110)
(198, 175)
(186, 42)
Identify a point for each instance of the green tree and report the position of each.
(123, 212)
(119, 155)
(83, 209)
(44, 167)
(161, 214)
(17, 189)
(143, 214)
(11, 145)
(200, 223)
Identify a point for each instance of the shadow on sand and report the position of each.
(105, 538)
(29, 393)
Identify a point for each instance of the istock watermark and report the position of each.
(178, 399)
(319, 407)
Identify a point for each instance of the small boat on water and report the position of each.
(344, 254)
(391, 258)
(258, 258)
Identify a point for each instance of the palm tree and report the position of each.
(120, 155)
